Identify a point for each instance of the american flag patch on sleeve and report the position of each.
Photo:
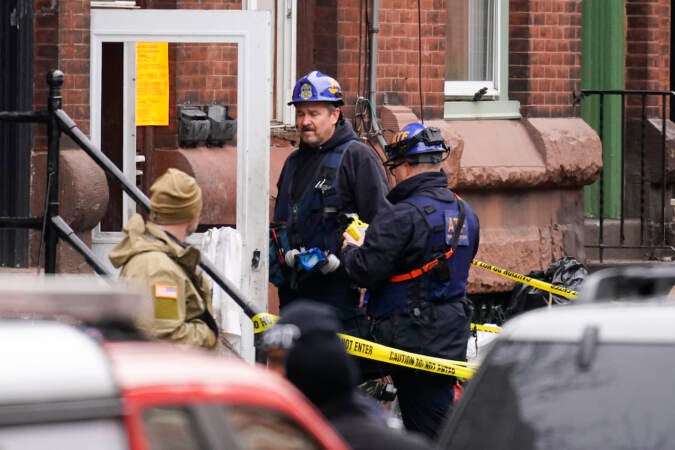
(166, 291)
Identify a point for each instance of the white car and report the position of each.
(591, 375)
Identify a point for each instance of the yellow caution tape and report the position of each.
(544, 286)
(366, 349)
(263, 321)
(486, 328)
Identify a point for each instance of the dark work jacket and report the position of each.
(361, 432)
(361, 188)
(399, 240)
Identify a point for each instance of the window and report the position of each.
(172, 429)
(476, 60)
(472, 57)
(259, 428)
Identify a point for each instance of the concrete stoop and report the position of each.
(636, 243)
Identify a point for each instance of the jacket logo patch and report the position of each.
(166, 301)
(166, 291)
(450, 224)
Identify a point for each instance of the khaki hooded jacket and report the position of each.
(180, 295)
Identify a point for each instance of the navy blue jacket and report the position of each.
(397, 241)
(361, 188)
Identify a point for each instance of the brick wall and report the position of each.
(648, 44)
(326, 38)
(545, 56)
(62, 42)
(202, 73)
(398, 53)
(199, 74)
(647, 51)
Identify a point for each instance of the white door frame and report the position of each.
(251, 31)
(284, 56)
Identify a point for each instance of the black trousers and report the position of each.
(433, 329)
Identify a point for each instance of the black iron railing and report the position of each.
(644, 222)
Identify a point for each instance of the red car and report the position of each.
(77, 385)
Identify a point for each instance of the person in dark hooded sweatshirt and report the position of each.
(305, 348)
(330, 174)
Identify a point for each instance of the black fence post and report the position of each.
(55, 80)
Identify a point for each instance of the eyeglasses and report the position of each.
(391, 165)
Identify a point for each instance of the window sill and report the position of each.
(469, 110)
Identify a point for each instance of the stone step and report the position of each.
(594, 265)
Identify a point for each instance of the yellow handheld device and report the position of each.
(357, 227)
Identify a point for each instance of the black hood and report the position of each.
(317, 363)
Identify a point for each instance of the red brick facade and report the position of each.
(544, 56)
(62, 41)
(647, 51)
(648, 44)
(398, 53)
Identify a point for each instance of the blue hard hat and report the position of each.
(317, 87)
(415, 139)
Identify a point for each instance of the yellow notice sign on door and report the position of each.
(152, 83)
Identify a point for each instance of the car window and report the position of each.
(172, 428)
(98, 434)
(536, 396)
(260, 428)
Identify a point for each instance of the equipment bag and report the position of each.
(279, 245)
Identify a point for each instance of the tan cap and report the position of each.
(175, 198)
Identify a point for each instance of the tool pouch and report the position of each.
(279, 245)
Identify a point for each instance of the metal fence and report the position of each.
(629, 215)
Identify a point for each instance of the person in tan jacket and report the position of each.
(154, 253)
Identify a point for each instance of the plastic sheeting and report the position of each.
(478, 345)
(223, 246)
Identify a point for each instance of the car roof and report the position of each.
(148, 366)
(155, 373)
(85, 298)
(51, 361)
(632, 281)
(625, 321)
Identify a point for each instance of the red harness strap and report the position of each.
(422, 270)
(436, 261)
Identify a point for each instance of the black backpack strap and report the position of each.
(327, 179)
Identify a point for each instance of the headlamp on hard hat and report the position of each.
(402, 145)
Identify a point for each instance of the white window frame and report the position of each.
(495, 103)
(284, 54)
(467, 88)
(250, 30)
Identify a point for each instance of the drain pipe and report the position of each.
(374, 30)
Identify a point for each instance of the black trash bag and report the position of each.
(566, 272)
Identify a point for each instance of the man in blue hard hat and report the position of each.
(414, 258)
(330, 174)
